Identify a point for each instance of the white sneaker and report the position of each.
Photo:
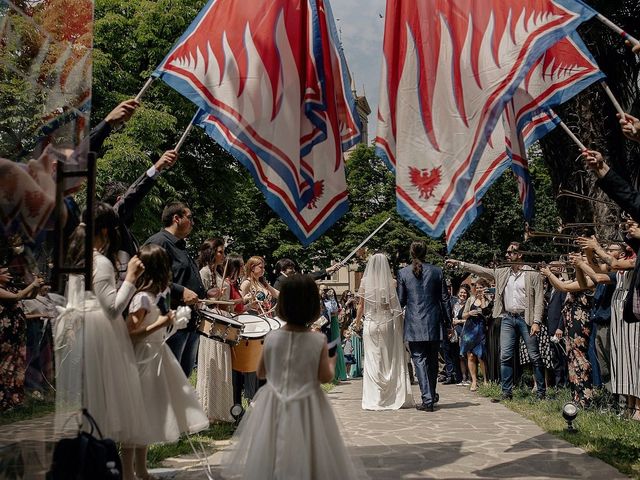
(466, 383)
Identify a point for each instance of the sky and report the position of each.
(362, 30)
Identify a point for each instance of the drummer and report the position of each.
(257, 288)
(214, 382)
(262, 298)
(235, 268)
(211, 264)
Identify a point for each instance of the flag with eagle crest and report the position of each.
(272, 83)
(450, 68)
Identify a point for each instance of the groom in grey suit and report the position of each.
(423, 291)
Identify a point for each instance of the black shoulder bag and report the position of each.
(86, 457)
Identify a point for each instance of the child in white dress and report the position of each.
(290, 431)
(171, 403)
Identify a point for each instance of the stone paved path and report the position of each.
(466, 437)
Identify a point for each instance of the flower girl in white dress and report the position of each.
(171, 403)
(290, 431)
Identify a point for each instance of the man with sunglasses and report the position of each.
(519, 300)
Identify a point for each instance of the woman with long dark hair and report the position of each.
(104, 368)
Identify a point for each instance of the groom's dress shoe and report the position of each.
(423, 407)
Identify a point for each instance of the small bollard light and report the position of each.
(570, 412)
(237, 412)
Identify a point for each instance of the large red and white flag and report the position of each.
(450, 68)
(562, 72)
(273, 87)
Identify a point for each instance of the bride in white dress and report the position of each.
(385, 382)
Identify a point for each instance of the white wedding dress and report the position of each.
(385, 378)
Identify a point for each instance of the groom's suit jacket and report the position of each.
(427, 304)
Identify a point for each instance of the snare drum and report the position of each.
(218, 327)
(274, 323)
(245, 355)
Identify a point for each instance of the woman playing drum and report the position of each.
(261, 295)
(214, 384)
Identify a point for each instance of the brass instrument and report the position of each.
(528, 253)
(567, 193)
(528, 234)
(569, 241)
(570, 226)
(538, 265)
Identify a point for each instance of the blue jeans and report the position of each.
(184, 345)
(425, 360)
(513, 327)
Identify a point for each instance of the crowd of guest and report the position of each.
(120, 350)
(136, 355)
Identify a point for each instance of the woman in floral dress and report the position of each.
(13, 340)
(577, 329)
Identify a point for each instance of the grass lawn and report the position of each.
(207, 438)
(601, 431)
(30, 409)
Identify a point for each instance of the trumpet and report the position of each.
(528, 253)
(570, 226)
(567, 193)
(538, 265)
(528, 233)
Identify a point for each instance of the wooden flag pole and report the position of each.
(572, 136)
(144, 88)
(616, 104)
(186, 132)
(634, 41)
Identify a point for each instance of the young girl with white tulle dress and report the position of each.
(290, 431)
(171, 403)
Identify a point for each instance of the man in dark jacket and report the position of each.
(187, 285)
(423, 291)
